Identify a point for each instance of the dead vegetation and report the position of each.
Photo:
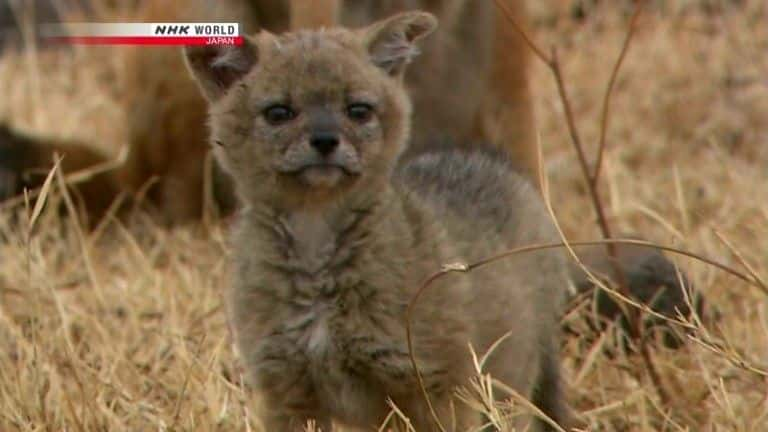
(123, 329)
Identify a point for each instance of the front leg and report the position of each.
(290, 406)
(280, 374)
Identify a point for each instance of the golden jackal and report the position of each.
(335, 237)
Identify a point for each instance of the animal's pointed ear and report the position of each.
(391, 43)
(217, 67)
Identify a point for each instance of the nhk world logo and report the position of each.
(143, 33)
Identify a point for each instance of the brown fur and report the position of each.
(314, 14)
(166, 133)
(335, 238)
(17, 149)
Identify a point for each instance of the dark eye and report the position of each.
(360, 112)
(279, 114)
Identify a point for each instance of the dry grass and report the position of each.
(123, 329)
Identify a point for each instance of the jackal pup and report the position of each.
(335, 237)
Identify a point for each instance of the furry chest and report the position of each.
(343, 334)
(342, 346)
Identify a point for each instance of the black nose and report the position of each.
(324, 143)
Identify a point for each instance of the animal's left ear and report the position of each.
(391, 43)
(217, 67)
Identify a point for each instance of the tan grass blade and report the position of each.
(43, 196)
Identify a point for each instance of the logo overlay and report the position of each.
(157, 34)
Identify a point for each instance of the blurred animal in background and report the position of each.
(18, 149)
(12, 154)
(153, 117)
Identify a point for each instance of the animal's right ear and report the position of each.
(217, 67)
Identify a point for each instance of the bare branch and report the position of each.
(609, 90)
